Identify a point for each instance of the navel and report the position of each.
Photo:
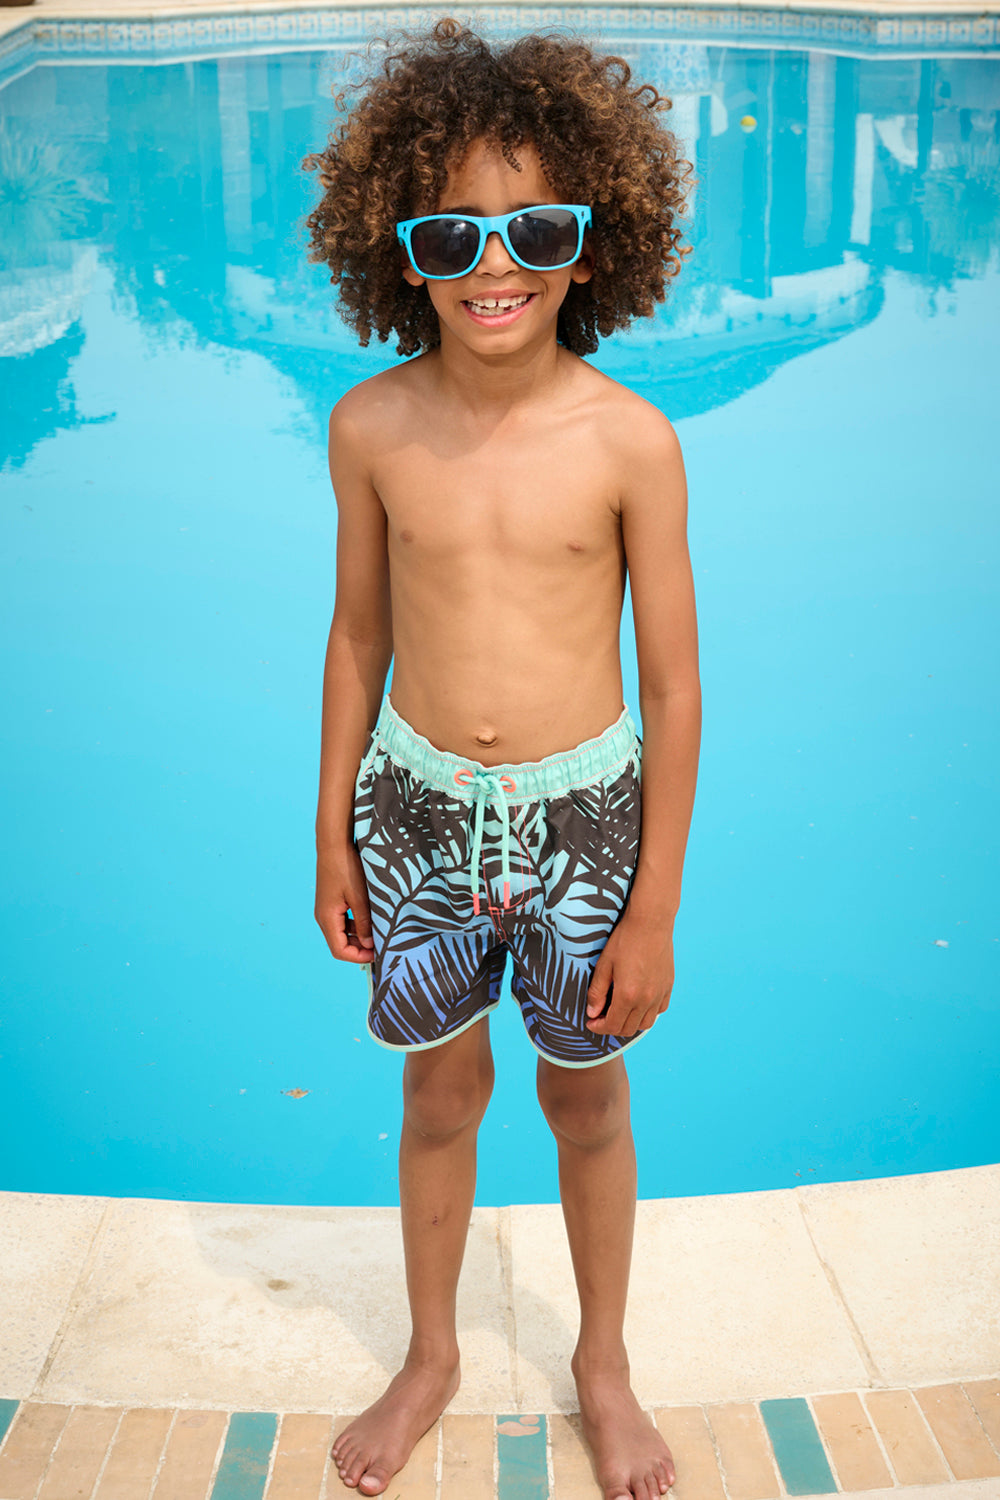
(485, 738)
(575, 546)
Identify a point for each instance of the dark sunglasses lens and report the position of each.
(549, 237)
(444, 247)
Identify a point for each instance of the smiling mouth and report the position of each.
(495, 307)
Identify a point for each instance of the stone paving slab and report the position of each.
(142, 1302)
(728, 1301)
(44, 1244)
(220, 1305)
(722, 1451)
(917, 1262)
(166, 1351)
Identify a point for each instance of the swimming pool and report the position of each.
(173, 1025)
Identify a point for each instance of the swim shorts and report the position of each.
(465, 863)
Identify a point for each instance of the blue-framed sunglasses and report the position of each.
(546, 238)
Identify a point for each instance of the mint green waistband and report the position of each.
(589, 762)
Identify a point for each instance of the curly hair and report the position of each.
(599, 138)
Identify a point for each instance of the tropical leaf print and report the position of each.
(438, 964)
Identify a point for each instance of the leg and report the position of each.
(445, 1093)
(588, 1111)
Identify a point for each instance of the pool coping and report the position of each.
(846, 1330)
(918, 24)
(875, 1284)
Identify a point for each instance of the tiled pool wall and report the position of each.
(166, 37)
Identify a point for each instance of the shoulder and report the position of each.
(371, 413)
(624, 418)
(640, 441)
(639, 427)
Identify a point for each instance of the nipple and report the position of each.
(485, 738)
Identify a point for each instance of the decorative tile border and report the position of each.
(847, 1443)
(278, 30)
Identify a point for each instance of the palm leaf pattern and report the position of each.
(437, 964)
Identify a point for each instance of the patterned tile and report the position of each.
(954, 1422)
(28, 1446)
(522, 1467)
(245, 1459)
(300, 1457)
(191, 1455)
(912, 1451)
(79, 1456)
(744, 1451)
(830, 1444)
(8, 1410)
(135, 1455)
(689, 1438)
(851, 1442)
(287, 27)
(798, 1450)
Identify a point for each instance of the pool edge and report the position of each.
(885, 1283)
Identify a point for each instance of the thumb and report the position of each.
(597, 992)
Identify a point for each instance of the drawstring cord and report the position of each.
(488, 788)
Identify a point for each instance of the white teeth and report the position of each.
(487, 305)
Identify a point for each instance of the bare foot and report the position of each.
(631, 1459)
(376, 1446)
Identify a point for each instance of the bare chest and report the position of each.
(534, 503)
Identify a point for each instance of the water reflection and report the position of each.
(816, 174)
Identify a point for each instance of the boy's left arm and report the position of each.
(637, 963)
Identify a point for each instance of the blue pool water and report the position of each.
(168, 359)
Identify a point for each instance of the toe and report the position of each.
(352, 1466)
(374, 1480)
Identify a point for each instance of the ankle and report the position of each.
(432, 1353)
(604, 1362)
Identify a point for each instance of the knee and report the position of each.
(438, 1108)
(588, 1114)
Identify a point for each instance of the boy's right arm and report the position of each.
(358, 654)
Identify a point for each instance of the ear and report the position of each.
(409, 274)
(582, 268)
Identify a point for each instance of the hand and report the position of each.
(636, 970)
(342, 909)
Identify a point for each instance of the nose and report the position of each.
(496, 259)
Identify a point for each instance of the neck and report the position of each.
(500, 381)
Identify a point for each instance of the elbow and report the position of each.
(367, 635)
(670, 694)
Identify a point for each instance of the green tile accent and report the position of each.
(7, 1410)
(797, 1447)
(243, 1470)
(524, 1467)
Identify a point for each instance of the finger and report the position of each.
(597, 991)
(335, 931)
(363, 922)
(631, 1020)
(356, 952)
(340, 941)
(622, 1012)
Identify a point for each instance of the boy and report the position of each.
(498, 208)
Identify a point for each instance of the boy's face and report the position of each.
(484, 183)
